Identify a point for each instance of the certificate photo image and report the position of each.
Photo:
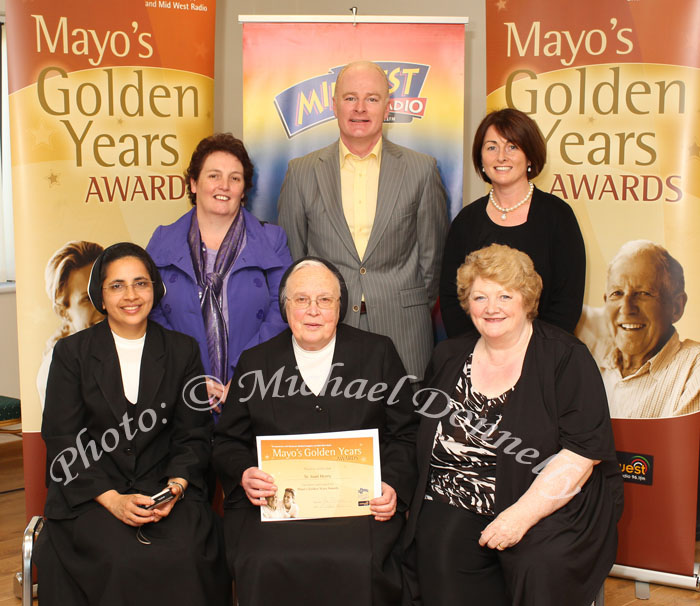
(320, 475)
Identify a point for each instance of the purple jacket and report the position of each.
(253, 285)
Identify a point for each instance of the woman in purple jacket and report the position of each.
(221, 266)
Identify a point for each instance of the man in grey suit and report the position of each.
(377, 211)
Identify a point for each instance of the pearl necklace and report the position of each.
(504, 211)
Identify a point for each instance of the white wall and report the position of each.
(9, 365)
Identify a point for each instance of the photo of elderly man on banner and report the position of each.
(619, 113)
(648, 370)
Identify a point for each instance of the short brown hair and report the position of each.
(507, 266)
(224, 142)
(517, 127)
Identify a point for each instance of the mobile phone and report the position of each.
(161, 497)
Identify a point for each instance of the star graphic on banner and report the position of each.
(591, 120)
(201, 50)
(501, 5)
(120, 121)
(41, 134)
(53, 179)
(694, 149)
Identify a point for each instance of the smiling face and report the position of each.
(640, 311)
(78, 310)
(127, 311)
(497, 312)
(313, 328)
(219, 187)
(361, 104)
(503, 161)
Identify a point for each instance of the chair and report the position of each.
(25, 589)
(600, 598)
(10, 414)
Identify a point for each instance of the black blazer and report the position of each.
(252, 410)
(96, 440)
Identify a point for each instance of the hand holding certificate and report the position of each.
(321, 475)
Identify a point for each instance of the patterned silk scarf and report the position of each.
(211, 284)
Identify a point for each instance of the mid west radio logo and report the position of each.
(310, 103)
(636, 468)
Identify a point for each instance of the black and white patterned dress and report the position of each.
(463, 462)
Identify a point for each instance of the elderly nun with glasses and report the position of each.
(320, 366)
(123, 424)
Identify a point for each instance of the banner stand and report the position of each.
(102, 129)
(643, 576)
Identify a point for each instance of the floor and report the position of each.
(618, 592)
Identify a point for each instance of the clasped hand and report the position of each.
(259, 485)
(131, 508)
(506, 530)
(217, 393)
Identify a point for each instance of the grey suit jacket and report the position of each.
(400, 271)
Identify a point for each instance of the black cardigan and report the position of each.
(558, 402)
(550, 236)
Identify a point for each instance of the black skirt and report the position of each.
(96, 560)
(340, 561)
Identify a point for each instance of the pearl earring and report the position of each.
(529, 168)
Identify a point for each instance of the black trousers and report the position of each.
(553, 565)
(452, 567)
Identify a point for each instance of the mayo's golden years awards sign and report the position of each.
(112, 96)
(614, 87)
(107, 102)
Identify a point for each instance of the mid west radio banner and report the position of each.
(107, 102)
(613, 85)
(289, 73)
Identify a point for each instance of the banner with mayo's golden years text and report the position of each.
(613, 85)
(107, 102)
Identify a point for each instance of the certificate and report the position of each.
(320, 475)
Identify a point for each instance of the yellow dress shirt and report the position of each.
(359, 181)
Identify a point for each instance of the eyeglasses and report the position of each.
(323, 302)
(118, 288)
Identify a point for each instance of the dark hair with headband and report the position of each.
(113, 253)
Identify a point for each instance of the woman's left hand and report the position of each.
(507, 529)
(217, 393)
(163, 511)
(559, 482)
(384, 507)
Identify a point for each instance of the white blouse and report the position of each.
(129, 352)
(314, 366)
